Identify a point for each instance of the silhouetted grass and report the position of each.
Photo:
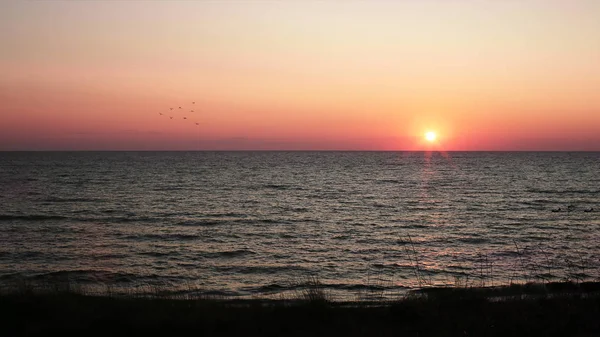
(313, 292)
(62, 307)
(554, 309)
(535, 301)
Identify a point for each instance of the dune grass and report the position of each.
(477, 304)
(530, 310)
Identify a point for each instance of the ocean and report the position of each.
(264, 224)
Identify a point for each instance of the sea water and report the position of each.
(263, 223)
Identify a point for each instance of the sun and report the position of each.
(430, 136)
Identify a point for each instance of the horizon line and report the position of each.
(295, 150)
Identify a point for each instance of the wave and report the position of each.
(110, 256)
(117, 219)
(80, 276)
(43, 217)
(273, 287)
(276, 287)
(218, 293)
(58, 200)
(359, 286)
(171, 188)
(282, 187)
(158, 254)
(538, 202)
(272, 221)
(542, 191)
(388, 181)
(258, 269)
(294, 209)
(388, 266)
(225, 215)
(473, 240)
(163, 236)
(199, 223)
(276, 186)
(229, 253)
(32, 217)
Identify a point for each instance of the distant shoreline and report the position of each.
(292, 150)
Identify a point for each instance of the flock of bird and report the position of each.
(173, 110)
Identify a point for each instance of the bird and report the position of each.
(184, 117)
(179, 107)
(197, 123)
(193, 102)
(171, 117)
(191, 110)
(160, 113)
(171, 108)
(588, 210)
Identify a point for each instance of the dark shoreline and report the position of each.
(556, 309)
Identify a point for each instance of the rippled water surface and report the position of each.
(260, 223)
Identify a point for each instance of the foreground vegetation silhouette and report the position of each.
(553, 309)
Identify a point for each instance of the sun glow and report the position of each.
(430, 136)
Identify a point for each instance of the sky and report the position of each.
(300, 75)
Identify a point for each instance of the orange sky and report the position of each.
(373, 75)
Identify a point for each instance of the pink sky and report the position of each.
(300, 75)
